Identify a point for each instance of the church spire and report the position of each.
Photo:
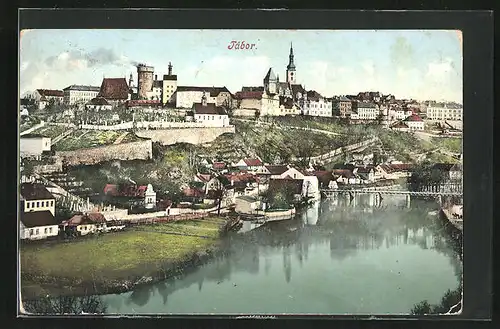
(291, 64)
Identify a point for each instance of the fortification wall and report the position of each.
(185, 135)
(142, 150)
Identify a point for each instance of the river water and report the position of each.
(335, 257)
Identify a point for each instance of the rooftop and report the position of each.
(50, 92)
(82, 88)
(210, 108)
(114, 89)
(35, 191)
(38, 218)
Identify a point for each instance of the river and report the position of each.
(335, 257)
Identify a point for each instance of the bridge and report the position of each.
(379, 193)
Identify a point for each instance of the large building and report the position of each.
(343, 106)
(78, 94)
(115, 90)
(443, 112)
(314, 104)
(37, 213)
(210, 113)
(366, 111)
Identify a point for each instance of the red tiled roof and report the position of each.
(219, 165)
(111, 189)
(50, 92)
(82, 219)
(252, 162)
(114, 89)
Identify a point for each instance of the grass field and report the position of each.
(91, 138)
(134, 252)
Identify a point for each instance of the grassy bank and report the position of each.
(111, 258)
(81, 139)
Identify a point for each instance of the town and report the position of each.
(145, 150)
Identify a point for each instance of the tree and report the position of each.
(65, 305)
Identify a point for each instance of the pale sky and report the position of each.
(414, 64)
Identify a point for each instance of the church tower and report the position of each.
(290, 69)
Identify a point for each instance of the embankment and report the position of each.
(185, 135)
(140, 150)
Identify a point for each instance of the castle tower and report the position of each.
(290, 69)
(144, 80)
(271, 82)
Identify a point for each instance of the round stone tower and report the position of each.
(144, 80)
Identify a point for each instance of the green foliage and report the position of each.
(450, 144)
(449, 300)
(421, 308)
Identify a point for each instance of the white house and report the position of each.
(366, 173)
(44, 96)
(314, 104)
(414, 122)
(186, 96)
(401, 114)
(33, 145)
(247, 204)
(367, 111)
(98, 104)
(210, 114)
(310, 187)
(77, 94)
(400, 126)
(38, 225)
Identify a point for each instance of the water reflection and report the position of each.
(342, 230)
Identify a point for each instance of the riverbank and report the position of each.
(117, 262)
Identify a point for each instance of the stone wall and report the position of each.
(186, 135)
(127, 151)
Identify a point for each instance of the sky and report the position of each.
(417, 64)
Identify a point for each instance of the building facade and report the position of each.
(77, 94)
(314, 104)
(115, 90)
(210, 114)
(98, 104)
(414, 122)
(33, 146)
(367, 111)
(443, 112)
(169, 85)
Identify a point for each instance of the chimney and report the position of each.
(169, 68)
(156, 77)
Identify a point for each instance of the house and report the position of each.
(400, 126)
(251, 164)
(367, 173)
(445, 111)
(83, 224)
(314, 104)
(115, 90)
(36, 198)
(23, 111)
(414, 122)
(249, 103)
(245, 183)
(219, 166)
(343, 106)
(44, 96)
(288, 107)
(393, 170)
(78, 94)
(367, 111)
(346, 176)
(98, 104)
(33, 145)
(210, 114)
(247, 204)
(280, 172)
(38, 225)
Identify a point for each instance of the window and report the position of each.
(27, 204)
(38, 204)
(52, 203)
(45, 231)
(36, 231)
(50, 230)
(31, 231)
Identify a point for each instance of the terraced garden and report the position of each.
(51, 131)
(81, 139)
